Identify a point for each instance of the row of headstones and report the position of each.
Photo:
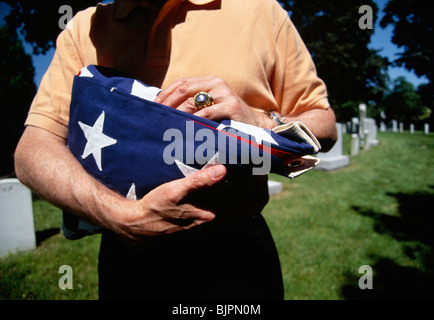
(364, 135)
(353, 125)
(335, 159)
(400, 127)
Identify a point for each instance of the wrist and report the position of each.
(274, 119)
(108, 208)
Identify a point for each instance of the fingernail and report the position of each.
(217, 171)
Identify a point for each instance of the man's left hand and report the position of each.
(227, 104)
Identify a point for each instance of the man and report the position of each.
(198, 237)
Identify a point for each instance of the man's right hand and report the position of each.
(165, 210)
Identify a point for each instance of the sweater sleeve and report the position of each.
(296, 85)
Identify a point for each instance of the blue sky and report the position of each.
(380, 40)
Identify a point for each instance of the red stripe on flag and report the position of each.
(270, 150)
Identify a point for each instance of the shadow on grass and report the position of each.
(43, 235)
(414, 227)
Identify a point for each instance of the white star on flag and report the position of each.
(132, 193)
(187, 170)
(96, 140)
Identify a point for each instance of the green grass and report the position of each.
(35, 274)
(377, 212)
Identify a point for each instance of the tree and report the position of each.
(17, 90)
(404, 104)
(339, 48)
(412, 22)
(38, 21)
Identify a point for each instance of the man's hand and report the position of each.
(165, 209)
(227, 104)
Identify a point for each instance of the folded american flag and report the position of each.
(132, 144)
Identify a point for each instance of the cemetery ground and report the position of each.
(377, 212)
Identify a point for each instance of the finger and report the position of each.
(162, 96)
(201, 179)
(188, 220)
(183, 89)
(188, 106)
(169, 226)
(215, 112)
(169, 199)
(178, 92)
(176, 95)
(191, 218)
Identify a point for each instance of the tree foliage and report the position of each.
(404, 104)
(38, 21)
(352, 71)
(412, 21)
(412, 32)
(339, 48)
(16, 93)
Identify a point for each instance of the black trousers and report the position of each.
(233, 257)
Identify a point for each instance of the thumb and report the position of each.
(205, 178)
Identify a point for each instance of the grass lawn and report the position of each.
(376, 212)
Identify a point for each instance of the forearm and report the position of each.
(43, 162)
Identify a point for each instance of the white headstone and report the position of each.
(371, 129)
(394, 126)
(334, 159)
(366, 143)
(383, 127)
(17, 230)
(426, 128)
(274, 187)
(355, 145)
(401, 127)
(362, 113)
(355, 124)
(411, 128)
